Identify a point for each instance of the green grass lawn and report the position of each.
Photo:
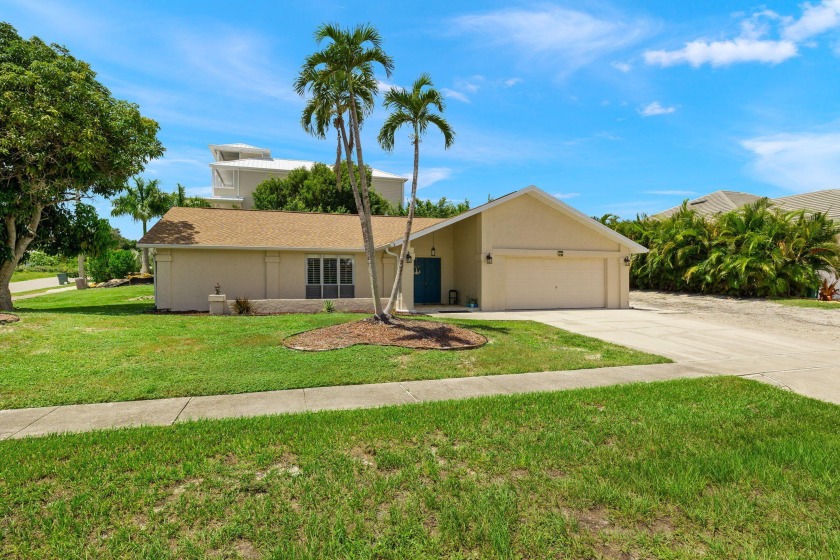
(812, 303)
(713, 468)
(23, 275)
(102, 345)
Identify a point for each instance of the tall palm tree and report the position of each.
(143, 202)
(340, 79)
(415, 109)
(179, 199)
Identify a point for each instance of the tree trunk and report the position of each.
(6, 271)
(364, 215)
(366, 226)
(144, 258)
(82, 274)
(412, 204)
(17, 246)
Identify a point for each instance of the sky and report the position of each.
(623, 106)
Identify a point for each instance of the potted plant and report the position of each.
(472, 302)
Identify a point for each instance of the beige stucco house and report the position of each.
(526, 250)
(237, 169)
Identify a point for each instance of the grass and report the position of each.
(715, 467)
(810, 303)
(102, 345)
(24, 275)
(38, 291)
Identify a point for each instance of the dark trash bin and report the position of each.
(62, 278)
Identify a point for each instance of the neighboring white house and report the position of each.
(237, 169)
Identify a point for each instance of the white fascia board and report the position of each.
(241, 248)
(559, 205)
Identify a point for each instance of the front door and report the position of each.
(426, 280)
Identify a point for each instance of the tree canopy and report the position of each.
(314, 190)
(63, 136)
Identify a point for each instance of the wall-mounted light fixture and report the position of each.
(559, 253)
(489, 258)
(408, 258)
(627, 261)
(433, 244)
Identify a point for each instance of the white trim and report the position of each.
(319, 250)
(548, 253)
(559, 205)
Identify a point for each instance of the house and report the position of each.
(718, 202)
(237, 169)
(526, 250)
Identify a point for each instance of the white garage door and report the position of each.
(554, 283)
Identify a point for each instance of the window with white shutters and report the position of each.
(329, 277)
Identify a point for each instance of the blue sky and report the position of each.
(622, 106)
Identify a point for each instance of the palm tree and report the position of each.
(181, 200)
(143, 202)
(342, 85)
(415, 109)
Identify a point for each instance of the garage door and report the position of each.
(554, 283)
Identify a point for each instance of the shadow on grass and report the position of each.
(139, 308)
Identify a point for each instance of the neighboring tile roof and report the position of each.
(827, 201)
(239, 146)
(286, 165)
(216, 227)
(714, 203)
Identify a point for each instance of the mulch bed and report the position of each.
(427, 335)
(8, 318)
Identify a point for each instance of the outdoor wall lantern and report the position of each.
(433, 251)
(433, 244)
(627, 261)
(489, 258)
(408, 258)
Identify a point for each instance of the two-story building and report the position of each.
(237, 169)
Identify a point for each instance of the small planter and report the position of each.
(472, 305)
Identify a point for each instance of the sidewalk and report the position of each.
(808, 371)
(37, 284)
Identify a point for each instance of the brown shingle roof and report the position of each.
(217, 227)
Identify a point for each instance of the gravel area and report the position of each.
(756, 314)
(407, 333)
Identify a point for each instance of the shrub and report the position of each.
(329, 306)
(121, 263)
(112, 264)
(243, 306)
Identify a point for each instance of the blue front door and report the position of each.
(426, 280)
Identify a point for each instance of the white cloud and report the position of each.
(816, 19)
(655, 108)
(723, 53)
(512, 82)
(457, 95)
(566, 37)
(621, 66)
(756, 43)
(565, 196)
(428, 176)
(671, 193)
(801, 161)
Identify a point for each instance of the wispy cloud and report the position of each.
(801, 161)
(510, 82)
(429, 176)
(456, 95)
(671, 193)
(755, 42)
(565, 196)
(654, 109)
(621, 66)
(565, 37)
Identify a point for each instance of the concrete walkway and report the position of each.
(44, 293)
(29, 285)
(699, 350)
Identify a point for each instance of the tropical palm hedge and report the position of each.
(754, 251)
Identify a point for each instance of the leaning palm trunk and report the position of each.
(364, 213)
(412, 205)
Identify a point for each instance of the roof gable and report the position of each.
(549, 200)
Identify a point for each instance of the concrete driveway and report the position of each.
(806, 367)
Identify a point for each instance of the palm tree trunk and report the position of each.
(144, 258)
(412, 204)
(364, 215)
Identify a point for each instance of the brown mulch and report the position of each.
(8, 318)
(427, 335)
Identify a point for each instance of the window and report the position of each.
(329, 277)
